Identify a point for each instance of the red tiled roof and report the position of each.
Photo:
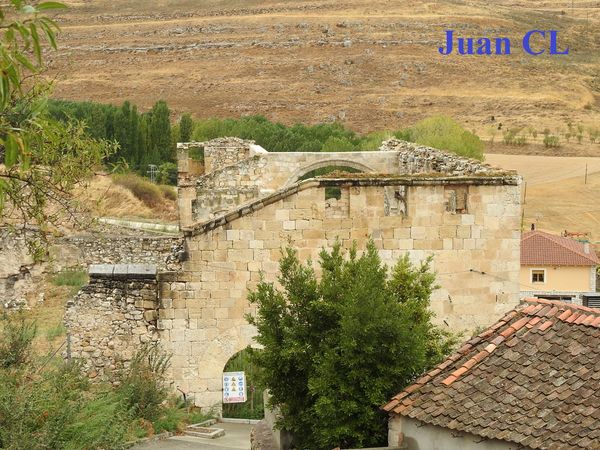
(533, 378)
(540, 248)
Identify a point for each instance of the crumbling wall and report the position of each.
(237, 171)
(112, 316)
(19, 275)
(415, 158)
(475, 250)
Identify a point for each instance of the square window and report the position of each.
(538, 276)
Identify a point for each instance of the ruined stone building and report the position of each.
(247, 203)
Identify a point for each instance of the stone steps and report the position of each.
(204, 430)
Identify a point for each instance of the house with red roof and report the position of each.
(530, 381)
(558, 268)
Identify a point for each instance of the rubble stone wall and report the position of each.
(112, 316)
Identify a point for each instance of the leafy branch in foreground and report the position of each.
(41, 159)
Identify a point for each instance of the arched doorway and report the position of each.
(252, 407)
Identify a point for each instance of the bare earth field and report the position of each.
(369, 64)
(557, 197)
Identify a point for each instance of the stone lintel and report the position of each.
(123, 271)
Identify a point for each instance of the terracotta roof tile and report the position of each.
(534, 380)
(540, 248)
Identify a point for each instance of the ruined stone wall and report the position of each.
(223, 152)
(19, 275)
(415, 158)
(86, 249)
(237, 171)
(226, 188)
(112, 316)
(474, 242)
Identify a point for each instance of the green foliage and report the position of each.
(142, 138)
(31, 141)
(144, 190)
(335, 349)
(186, 127)
(142, 385)
(446, 134)
(46, 403)
(54, 332)
(551, 141)
(75, 278)
(253, 408)
(167, 173)
(16, 336)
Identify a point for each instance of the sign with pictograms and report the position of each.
(234, 387)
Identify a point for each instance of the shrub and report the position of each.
(167, 173)
(551, 141)
(323, 337)
(446, 134)
(142, 385)
(168, 192)
(143, 189)
(16, 336)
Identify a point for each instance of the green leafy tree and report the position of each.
(41, 158)
(336, 348)
(186, 127)
(160, 133)
(446, 134)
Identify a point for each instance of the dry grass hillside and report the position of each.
(371, 64)
(105, 198)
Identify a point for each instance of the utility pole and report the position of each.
(153, 169)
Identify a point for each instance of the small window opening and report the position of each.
(538, 276)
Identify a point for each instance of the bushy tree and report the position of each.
(446, 134)
(336, 348)
(186, 127)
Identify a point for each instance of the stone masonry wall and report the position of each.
(475, 250)
(86, 249)
(112, 316)
(223, 152)
(224, 189)
(237, 171)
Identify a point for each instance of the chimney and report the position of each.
(533, 227)
(586, 247)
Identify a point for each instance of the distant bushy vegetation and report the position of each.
(150, 137)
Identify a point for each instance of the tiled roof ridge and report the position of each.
(560, 241)
(533, 312)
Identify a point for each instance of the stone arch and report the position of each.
(214, 358)
(301, 171)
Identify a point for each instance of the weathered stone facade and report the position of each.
(112, 316)
(464, 214)
(238, 171)
(476, 254)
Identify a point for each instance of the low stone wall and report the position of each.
(112, 316)
(85, 249)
